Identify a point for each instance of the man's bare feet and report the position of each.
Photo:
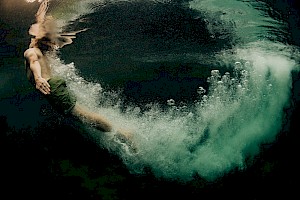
(126, 137)
(124, 134)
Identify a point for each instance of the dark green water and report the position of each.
(154, 52)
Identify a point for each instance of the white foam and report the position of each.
(240, 111)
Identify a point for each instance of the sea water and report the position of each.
(226, 125)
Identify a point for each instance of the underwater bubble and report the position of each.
(238, 65)
(215, 73)
(204, 98)
(226, 78)
(171, 102)
(201, 90)
(136, 110)
(208, 80)
(190, 115)
(244, 72)
(247, 64)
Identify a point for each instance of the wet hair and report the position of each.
(44, 44)
(45, 32)
(47, 37)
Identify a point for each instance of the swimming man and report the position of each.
(45, 40)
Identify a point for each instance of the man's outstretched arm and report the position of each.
(40, 83)
(41, 13)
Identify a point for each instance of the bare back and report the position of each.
(35, 53)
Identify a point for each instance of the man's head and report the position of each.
(45, 34)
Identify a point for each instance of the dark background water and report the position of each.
(46, 156)
(143, 48)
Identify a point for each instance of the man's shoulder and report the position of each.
(31, 52)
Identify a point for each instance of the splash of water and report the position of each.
(241, 110)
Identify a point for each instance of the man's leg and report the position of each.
(103, 124)
(97, 120)
(100, 122)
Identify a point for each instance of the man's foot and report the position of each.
(126, 137)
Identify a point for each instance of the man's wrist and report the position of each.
(38, 77)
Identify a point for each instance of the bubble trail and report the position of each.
(241, 109)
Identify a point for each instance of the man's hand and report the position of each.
(42, 85)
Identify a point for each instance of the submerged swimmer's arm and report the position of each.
(40, 83)
(41, 13)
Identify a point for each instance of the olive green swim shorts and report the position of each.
(60, 98)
